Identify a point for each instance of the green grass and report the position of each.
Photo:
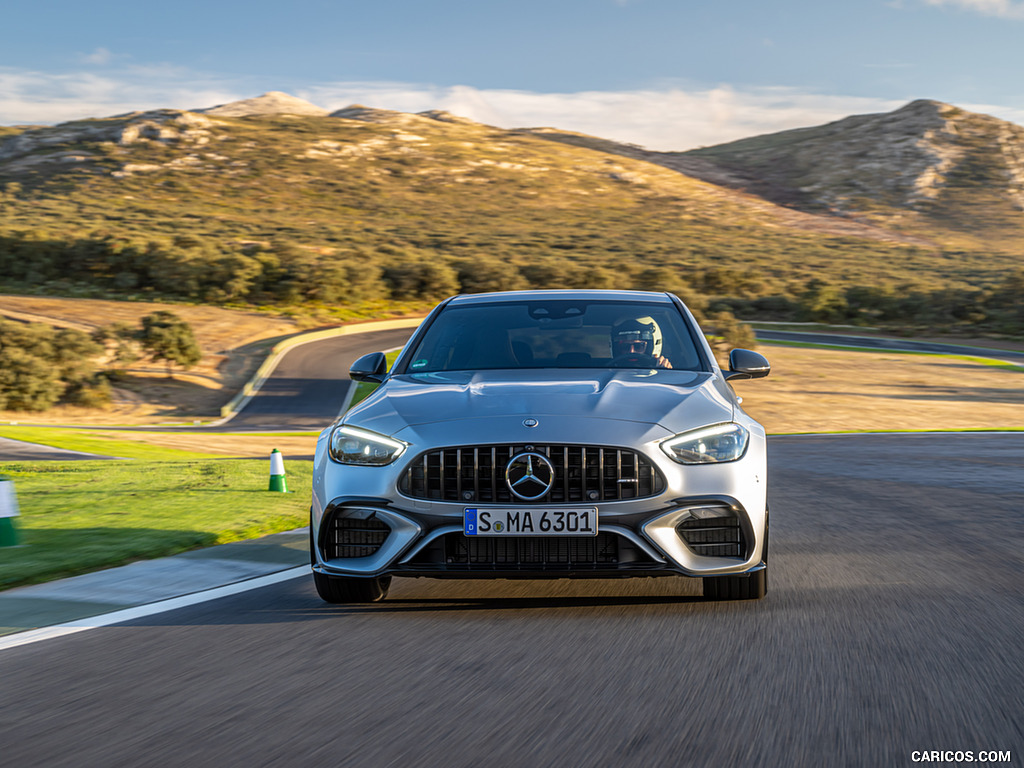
(94, 441)
(83, 516)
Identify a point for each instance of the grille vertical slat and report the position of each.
(458, 473)
(476, 473)
(565, 473)
(494, 463)
(610, 474)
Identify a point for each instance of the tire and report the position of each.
(344, 589)
(751, 586)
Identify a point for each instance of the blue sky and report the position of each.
(666, 74)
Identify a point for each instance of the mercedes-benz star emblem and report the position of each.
(529, 475)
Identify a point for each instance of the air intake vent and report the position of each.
(353, 537)
(533, 553)
(582, 474)
(714, 536)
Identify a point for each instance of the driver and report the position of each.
(638, 343)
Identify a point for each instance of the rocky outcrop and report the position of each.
(271, 103)
(905, 158)
(50, 144)
(443, 116)
(385, 116)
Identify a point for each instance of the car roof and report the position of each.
(649, 297)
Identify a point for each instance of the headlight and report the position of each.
(357, 446)
(708, 445)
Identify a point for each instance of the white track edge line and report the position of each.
(140, 611)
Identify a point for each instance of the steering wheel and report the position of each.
(634, 360)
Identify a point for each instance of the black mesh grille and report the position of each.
(352, 537)
(714, 536)
(532, 552)
(582, 474)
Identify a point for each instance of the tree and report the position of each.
(40, 365)
(169, 338)
(121, 340)
(27, 382)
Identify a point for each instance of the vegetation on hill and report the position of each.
(340, 212)
(41, 366)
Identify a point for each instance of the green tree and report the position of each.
(121, 340)
(39, 365)
(27, 382)
(422, 280)
(822, 302)
(483, 274)
(725, 332)
(169, 338)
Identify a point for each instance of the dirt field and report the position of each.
(816, 390)
(240, 445)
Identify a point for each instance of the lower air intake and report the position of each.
(714, 536)
(533, 552)
(354, 537)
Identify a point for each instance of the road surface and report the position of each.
(893, 624)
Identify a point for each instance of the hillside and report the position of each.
(269, 201)
(928, 168)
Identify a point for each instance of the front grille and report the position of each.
(714, 536)
(353, 537)
(582, 474)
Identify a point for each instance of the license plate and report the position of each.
(516, 521)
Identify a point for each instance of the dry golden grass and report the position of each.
(239, 445)
(817, 390)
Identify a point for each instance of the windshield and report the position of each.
(559, 333)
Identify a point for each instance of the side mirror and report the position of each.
(746, 364)
(372, 367)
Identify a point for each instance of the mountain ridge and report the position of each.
(274, 203)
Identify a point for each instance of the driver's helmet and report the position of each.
(641, 336)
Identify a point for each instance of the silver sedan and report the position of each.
(545, 434)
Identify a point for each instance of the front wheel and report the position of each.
(345, 589)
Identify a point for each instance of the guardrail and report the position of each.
(252, 386)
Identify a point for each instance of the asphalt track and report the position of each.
(310, 385)
(893, 624)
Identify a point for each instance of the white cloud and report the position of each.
(100, 56)
(30, 97)
(666, 118)
(1003, 9)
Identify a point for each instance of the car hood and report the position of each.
(675, 400)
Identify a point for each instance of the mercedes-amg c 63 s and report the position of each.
(545, 434)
